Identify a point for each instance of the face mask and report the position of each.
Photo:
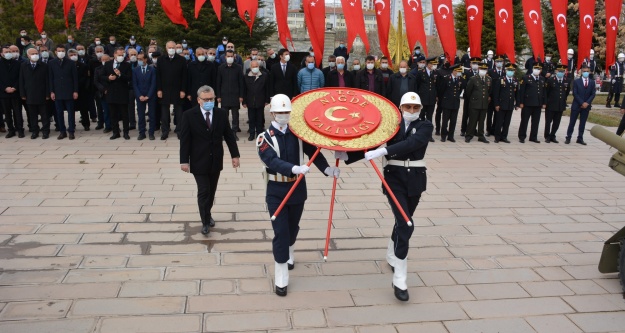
(140, 63)
(509, 73)
(99, 55)
(112, 42)
(133, 58)
(370, 66)
(132, 42)
(119, 58)
(499, 64)
(403, 70)
(592, 56)
(201, 58)
(43, 36)
(255, 70)
(536, 72)
(585, 74)
(171, 52)
(230, 60)
(45, 54)
(16, 55)
(254, 57)
(417, 52)
(226, 42)
(312, 54)
(97, 42)
(81, 52)
(482, 72)
(186, 56)
(421, 66)
(474, 67)
(410, 117)
(23, 43)
(178, 51)
(490, 56)
(154, 60)
(340, 66)
(8, 56)
(434, 67)
(287, 58)
(341, 45)
(621, 59)
(208, 106)
(211, 58)
(261, 63)
(356, 67)
(332, 64)
(70, 41)
(560, 75)
(273, 56)
(60, 55)
(73, 58)
(23, 34)
(547, 59)
(283, 119)
(570, 56)
(34, 58)
(185, 45)
(310, 65)
(384, 66)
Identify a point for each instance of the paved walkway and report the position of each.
(104, 236)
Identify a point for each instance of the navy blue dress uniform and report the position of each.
(584, 90)
(415, 58)
(549, 67)
(478, 91)
(450, 88)
(34, 89)
(468, 74)
(405, 174)
(495, 74)
(504, 99)
(616, 72)
(531, 100)
(443, 70)
(426, 88)
(282, 153)
(557, 90)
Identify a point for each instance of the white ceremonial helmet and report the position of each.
(410, 98)
(469, 49)
(490, 52)
(621, 55)
(570, 51)
(280, 103)
(592, 51)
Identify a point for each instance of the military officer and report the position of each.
(616, 72)
(548, 67)
(478, 92)
(531, 100)
(496, 73)
(282, 153)
(468, 74)
(504, 96)
(556, 92)
(591, 63)
(450, 88)
(426, 87)
(405, 174)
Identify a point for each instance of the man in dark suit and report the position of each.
(144, 84)
(119, 75)
(370, 78)
(504, 100)
(230, 88)
(531, 100)
(450, 87)
(35, 91)
(84, 79)
(171, 85)
(63, 91)
(341, 77)
(255, 98)
(556, 91)
(283, 76)
(468, 74)
(584, 90)
(497, 73)
(401, 83)
(9, 94)
(201, 73)
(202, 130)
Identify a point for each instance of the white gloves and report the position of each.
(375, 153)
(341, 155)
(332, 171)
(300, 169)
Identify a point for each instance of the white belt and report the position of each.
(419, 163)
(282, 178)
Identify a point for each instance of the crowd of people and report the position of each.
(144, 86)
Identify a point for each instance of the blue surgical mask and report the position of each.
(560, 75)
(509, 73)
(140, 63)
(341, 45)
(208, 106)
(340, 66)
(585, 74)
(417, 52)
(310, 65)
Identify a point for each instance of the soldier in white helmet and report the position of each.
(282, 153)
(591, 63)
(616, 73)
(489, 59)
(405, 174)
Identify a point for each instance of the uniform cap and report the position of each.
(225, 38)
(538, 65)
(280, 103)
(432, 60)
(483, 66)
(561, 67)
(490, 52)
(499, 57)
(410, 98)
(132, 38)
(621, 55)
(476, 60)
(511, 66)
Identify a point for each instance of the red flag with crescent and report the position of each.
(282, 12)
(314, 13)
(475, 16)
(39, 12)
(444, 19)
(383, 20)
(247, 11)
(559, 8)
(504, 26)
(415, 30)
(174, 12)
(586, 25)
(613, 17)
(534, 24)
(355, 22)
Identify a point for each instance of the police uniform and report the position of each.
(426, 87)
(415, 58)
(532, 97)
(450, 88)
(468, 74)
(556, 91)
(478, 92)
(495, 74)
(504, 99)
(616, 72)
(444, 70)
(548, 66)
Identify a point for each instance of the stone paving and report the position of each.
(104, 236)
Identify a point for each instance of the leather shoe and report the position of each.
(617, 105)
(432, 140)
(115, 136)
(482, 139)
(20, 134)
(141, 137)
(281, 291)
(107, 130)
(71, 136)
(487, 134)
(451, 140)
(555, 141)
(164, 137)
(522, 140)
(547, 140)
(496, 140)
(62, 136)
(581, 142)
(126, 136)
(236, 137)
(205, 230)
(437, 133)
(152, 137)
(443, 139)
(462, 133)
(10, 134)
(467, 139)
(211, 222)
(505, 140)
(34, 135)
(535, 141)
(567, 141)
(251, 137)
(401, 295)
(45, 136)
(608, 105)
(99, 127)
(290, 266)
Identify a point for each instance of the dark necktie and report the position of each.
(143, 69)
(208, 120)
(34, 66)
(585, 83)
(284, 69)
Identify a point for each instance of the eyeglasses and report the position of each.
(206, 99)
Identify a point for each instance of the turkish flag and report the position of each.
(282, 12)
(249, 7)
(613, 16)
(444, 19)
(122, 6)
(67, 5)
(39, 12)
(415, 30)
(140, 4)
(534, 24)
(504, 26)
(80, 6)
(475, 16)
(559, 8)
(314, 13)
(586, 24)
(198, 6)
(383, 20)
(174, 12)
(355, 22)
(216, 7)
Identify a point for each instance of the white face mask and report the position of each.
(16, 55)
(434, 67)
(592, 56)
(155, 60)
(81, 52)
(254, 57)
(474, 67)
(547, 59)
(178, 51)
(171, 52)
(45, 54)
(499, 64)
(60, 55)
(273, 56)
(201, 58)
(370, 66)
(384, 66)
(119, 58)
(490, 56)
(482, 72)
(422, 66)
(255, 70)
(403, 70)
(133, 58)
(283, 119)
(536, 72)
(73, 58)
(410, 117)
(112, 42)
(132, 42)
(43, 36)
(332, 64)
(211, 58)
(97, 42)
(230, 60)
(8, 56)
(356, 67)
(99, 55)
(34, 58)
(287, 57)
(312, 54)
